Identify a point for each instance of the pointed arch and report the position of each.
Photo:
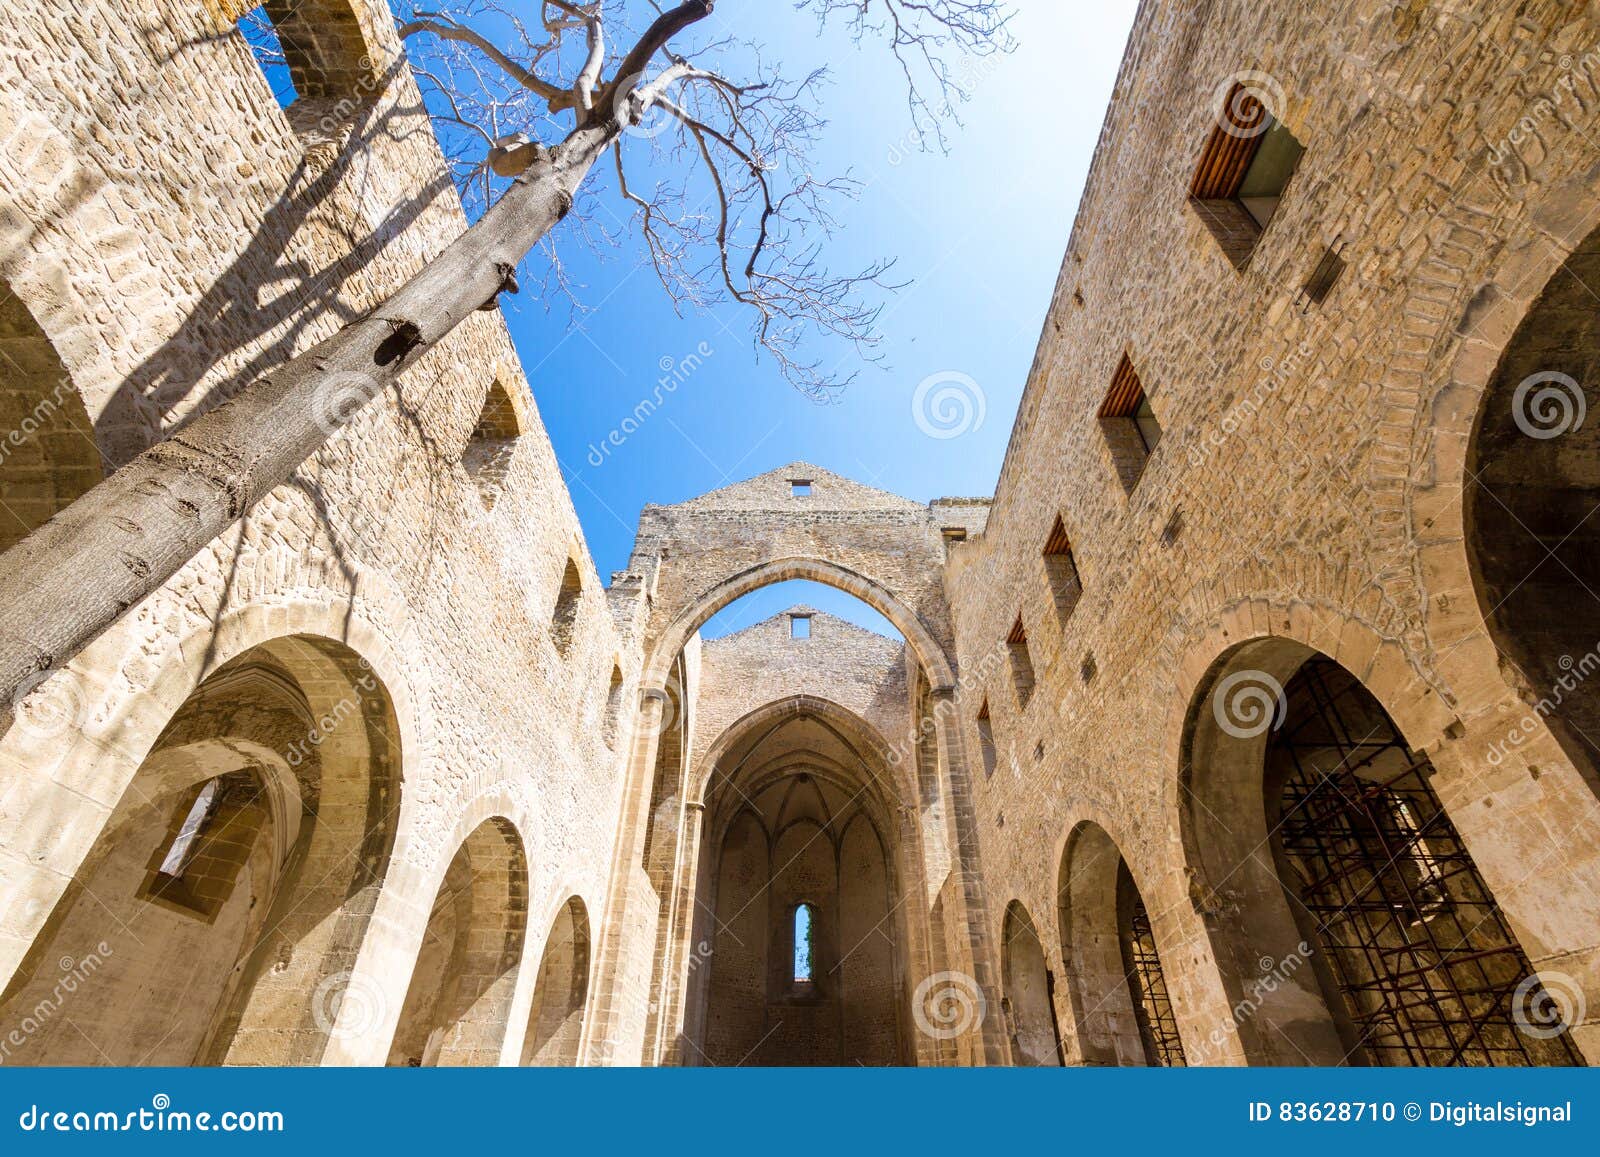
(929, 652)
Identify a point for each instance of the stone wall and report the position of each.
(1309, 479)
(459, 754)
(170, 233)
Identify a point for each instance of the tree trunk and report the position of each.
(78, 573)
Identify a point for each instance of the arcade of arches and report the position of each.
(1253, 720)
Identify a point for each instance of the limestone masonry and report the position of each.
(1248, 723)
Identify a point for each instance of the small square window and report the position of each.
(1066, 587)
(1021, 663)
(1244, 168)
(1130, 425)
(800, 487)
(799, 626)
(986, 740)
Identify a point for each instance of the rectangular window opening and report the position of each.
(1021, 663)
(185, 843)
(1243, 171)
(1066, 588)
(800, 487)
(804, 949)
(799, 626)
(1129, 423)
(986, 740)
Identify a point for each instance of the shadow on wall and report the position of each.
(236, 311)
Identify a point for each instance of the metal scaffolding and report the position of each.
(1427, 967)
(1152, 1006)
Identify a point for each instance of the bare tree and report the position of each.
(525, 109)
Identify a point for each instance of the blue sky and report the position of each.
(978, 233)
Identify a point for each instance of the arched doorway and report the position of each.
(555, 1023)
(1030, 1017)
(1116, 984)
(1357, 929)
(799, 910)
(1532, 484)
(462, 979)
(233, 882)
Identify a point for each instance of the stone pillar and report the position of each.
(986, 1044)
(675, 973)
(618, 1006)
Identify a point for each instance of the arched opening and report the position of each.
(1532, 484)
(487, 458)
(1353, 925)
(232, 884)
(564, 619)
(461, 981)
(881, 601)
(686, 849)
(48, 455)
(1030, 1019)
(1115, 984)
(312, 49)
(799, 939)
(555, 1023)
(804, 951)
(800, 600)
